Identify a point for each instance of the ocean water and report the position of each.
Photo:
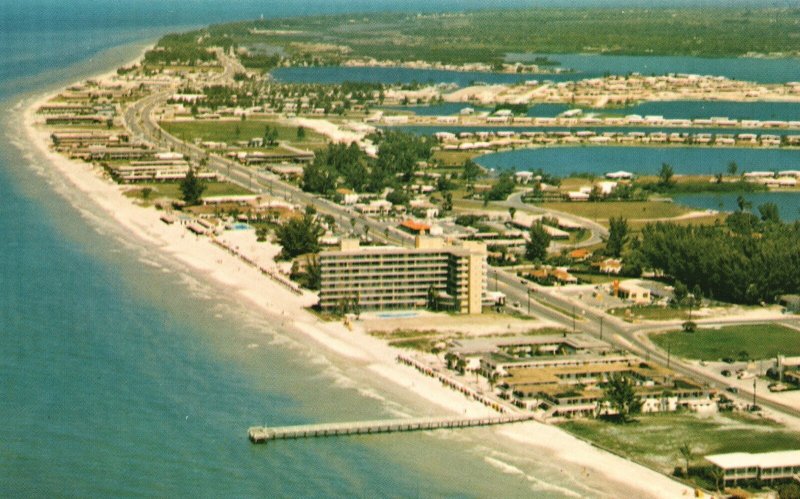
(124, 373)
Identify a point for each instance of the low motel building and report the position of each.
(766, 466)
(391, 278)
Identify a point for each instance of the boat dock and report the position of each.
(261, 434)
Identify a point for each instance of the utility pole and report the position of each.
(573, 318)
(669, 352)
(529, 301)
(601, 327)
(754, 393)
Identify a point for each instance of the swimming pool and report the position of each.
(398, 315)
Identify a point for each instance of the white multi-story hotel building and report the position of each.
(452, 276)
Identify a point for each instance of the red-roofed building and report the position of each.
(415, 227)
(580, 254)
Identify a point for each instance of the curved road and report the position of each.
(598, 231)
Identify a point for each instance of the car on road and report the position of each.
(726, 373)
(732, 389)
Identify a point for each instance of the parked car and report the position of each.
(732, 389)
(726, 373)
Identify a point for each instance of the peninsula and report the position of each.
(358, 221)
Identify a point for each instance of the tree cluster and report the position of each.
(746, 262)
(192, 188)
(536, 247)
(619, 396)
(348, 166)
(502, 189)
(300, 235)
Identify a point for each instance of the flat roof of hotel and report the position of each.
(776, 459)
(489, 344)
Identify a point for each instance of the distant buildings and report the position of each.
(433, 274)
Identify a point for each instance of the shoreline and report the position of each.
(370, 355)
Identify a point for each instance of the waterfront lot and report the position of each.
(172, 190)
(759, 341)
(631, 210)
(236, 130)
(654, 440)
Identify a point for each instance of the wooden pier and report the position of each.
(261, 434)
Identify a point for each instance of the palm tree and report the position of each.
(687, 453)
(718, 475)
(743, 204)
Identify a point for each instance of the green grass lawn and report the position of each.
(453, 158)
(760, 341)
(172, 190)
(602, 211)
(719, 218)
(232, 131)
(654, 440)
(594, 278)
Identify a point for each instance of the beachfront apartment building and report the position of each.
(766, 466)
(433, 274)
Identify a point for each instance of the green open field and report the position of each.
(595, 278)
(719, 218)
(172, 190)
(232, 131)
(654, 440)
(760, 341)
(602, 211)
(453, 158)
